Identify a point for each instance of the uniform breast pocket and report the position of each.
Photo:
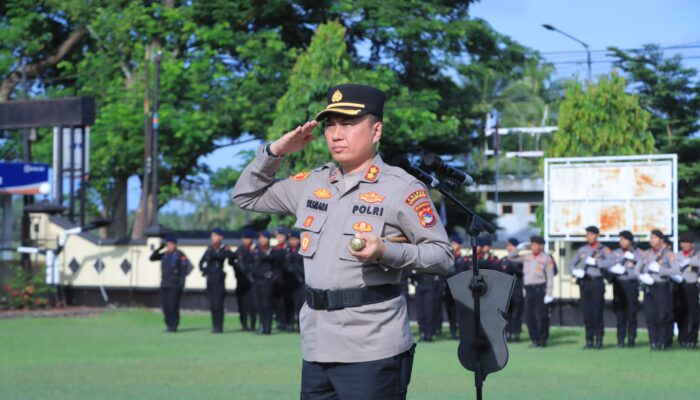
(310, 224)
(358, 224)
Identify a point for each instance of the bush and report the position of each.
(24, 291)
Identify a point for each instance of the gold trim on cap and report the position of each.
(358, 105)
(338, 111)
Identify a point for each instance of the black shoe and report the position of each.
(543, 343)
(516, 337)
(171, 329)
(598, 344)
(217, 330)
(621, 343)
(693, 345)
(630, 342)
(589, 345)
(534, 345)
(663, 347)
(245, 328)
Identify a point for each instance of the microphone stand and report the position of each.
(476, 226)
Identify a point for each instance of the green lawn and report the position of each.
(126, 355)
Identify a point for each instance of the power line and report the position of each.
(674, 47)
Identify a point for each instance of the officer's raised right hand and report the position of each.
(294, 140)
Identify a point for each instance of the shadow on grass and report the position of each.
(193, 329)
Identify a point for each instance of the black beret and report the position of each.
(266, 233)
(456, 239)
(687, 237)
(353, 100)
(281, 231)
(247, 233)
(537, 239)
(593, 229)
(658, 234)
(627, 235)
(513, 241)
(294, 234)
(171, 238)
(218, 231)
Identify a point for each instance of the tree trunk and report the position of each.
(137, 232)
(115, 210)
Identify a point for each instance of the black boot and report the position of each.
(589, 345)
(620, 342)
(630, 342)
(543, 343)
(598, 343)
(534, 344)
(516, 337)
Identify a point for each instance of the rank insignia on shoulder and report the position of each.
(362, 227)
(415, 196)
(426, 214)
(372, 197)
(372, 173)
(323, 193)
(308, 221)
(300, 176)
(305, 241)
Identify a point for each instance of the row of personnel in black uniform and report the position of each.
(269, 280)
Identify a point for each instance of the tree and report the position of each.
(602, 120)
(671, 93)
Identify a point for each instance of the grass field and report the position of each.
(126, 355)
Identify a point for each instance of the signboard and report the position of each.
(636, 193)
(24, 178)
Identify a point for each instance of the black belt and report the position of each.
(319, 299)
(588, 278)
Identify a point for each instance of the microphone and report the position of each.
(402, 162)
(435, 163)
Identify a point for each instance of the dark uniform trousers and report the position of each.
(264, 301)
(515, 309)
(536, 313)
(626, 306)
(216, 292)
(170, 302)
(427, 306)
(246, 307)
(592, 305)
(658, 311)
(688, 321)
(450, 309)
(387, 378)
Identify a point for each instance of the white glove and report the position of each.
(677, 278)
(590, 261)
(629, 255)
(654, 267)
(617, 269)
(548, 299)
(646, 279)
(685, 262)
(579, 273)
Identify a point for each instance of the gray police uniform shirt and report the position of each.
(539, 269)
(599, 252)
(688, 264)
(664, 258)
(618, 257)
(386, 201)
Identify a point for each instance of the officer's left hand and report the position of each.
(373, 251)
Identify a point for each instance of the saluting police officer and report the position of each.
(584, 266)
(212, 267)
(174, 268)
(621, 266)
(688, 261)
(655, 269)
(538, 279)
(242, 263)
(356, 339)
(512, 264)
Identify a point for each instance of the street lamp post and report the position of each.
(588, 50)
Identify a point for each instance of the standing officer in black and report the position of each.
(294, 268)
(212, 266)
(279, 284)
(688, 260)
(174, 268)
(263, 272)
(586, 266)
(512, 264)
(461, 264)
(428, 292)
(242, 263)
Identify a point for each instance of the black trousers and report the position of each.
(264, 301)
(536, 313)
(451, 310)
(626, 306)
(515, 309)
(216, 292)
(427, 305)
(246, 307)
(387, 378)
(658, 309)
(592, 304)
(170, 303)
(688, 323)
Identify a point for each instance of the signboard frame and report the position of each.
(609, 161)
